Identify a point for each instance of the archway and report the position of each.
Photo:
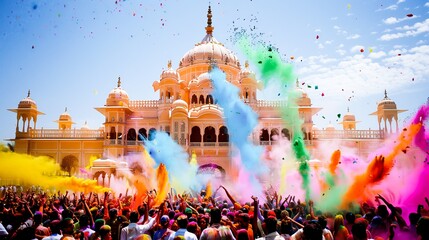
(212, 170)
(195, 134)
(131, 135)
(264, 136)
(223, 134)
(209, 99)
(209, 134)
(274, 136)
(285, 133)
(142, 133)
(194, 99)
(69, 164)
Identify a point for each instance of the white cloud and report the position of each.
(392, 7)
(397, 46)
(328, 42)
(318, 30)
(396, 52)
(393, 20)
(376, 55)
(427, 4)
(341, 45)
(320, 46)
(341, 52)
(420, 42)
(334, 18)
(400, 1)
(354, 36)
(336, 27)
(408, 31)
(373, 33)
(356, 49)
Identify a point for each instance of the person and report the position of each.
(312, 231)
(216, 231)
(84, 227)
(423, 228)
(242, 234)
(359, 231)
(106, 232)
(271, 229)
(41, 231)
(164, 232)
(133, 229)
(182, 221)
(340, 231)
(67, 229)
(54, 227)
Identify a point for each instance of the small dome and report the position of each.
(246, 72)
(203, 77)
(169, 73)
(349, 117)
(65, 117)
(330, 127)
(27, 102)
(85, 126)
(180, 103)
(386, 103)
(193, 83)
(118, 96)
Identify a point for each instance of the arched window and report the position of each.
(209, 134)
(112, 133)
(195, 134)
(274, 136)
(285, 133)
(194, 99)
(264, 135)
(209, 99)
(142, 134)
(201, 99)
(305, 134)
(131, 135)
(223, 134)
(152, 134)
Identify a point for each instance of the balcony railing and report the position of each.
(348, 134)
(66, 133)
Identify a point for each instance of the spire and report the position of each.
(169, 64)
(209, 28)
(246, 64)
(348, 109)
(385, 93)
(119, 82)
(297, 83)
(65, 110)
(28, 94)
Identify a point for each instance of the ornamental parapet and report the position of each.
(348, 134)
(66, 133)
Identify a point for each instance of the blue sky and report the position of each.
(70, 53)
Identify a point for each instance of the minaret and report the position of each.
(387, 112)
(26, 113)
(209, 28)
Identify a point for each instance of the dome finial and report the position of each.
(28, 94)
(297, 83)
(246, 64)
(209, 28)
(169, 64)
(119, 81)
(385, 93)
(65, 109)
(348, 109)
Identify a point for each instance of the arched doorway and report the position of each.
(223, 134)
(264, 136)
(285, 133)
(195, 134)
(212, 170)
(201, 99)
(69, 164)
(209, 134)
(194, 99)
(209, 99)
(131, 135)
(274, 136)
(142, 134)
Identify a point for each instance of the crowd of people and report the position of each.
(34, 214)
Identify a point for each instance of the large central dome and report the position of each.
(209, 50)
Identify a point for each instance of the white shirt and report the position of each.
(272, 236)
(133, 230)
(183, 232)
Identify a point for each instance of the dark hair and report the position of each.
(134, 217)
(350, 217)
(215, 215)
(312, 231)
(414, 218)
(423, 227)
(270, 224)
(359, 230)
(322, 222)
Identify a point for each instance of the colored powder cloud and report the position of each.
(273, 70)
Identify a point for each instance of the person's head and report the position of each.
(322, 221)
(242, 234)
(350, 218)
(215, 215)
(98, 223)
(270, 224)
(423, 228)
(244, 220)
(83, 221)
(55, 226)
(414, 218)
(113, 213)
(182, 221)
(67, 226)
(359, 229)
(312, 231)
(134, 217)
(105, 232)
(193, 228)
(38, 217)
(188, 212)
(286, 227)
(338, 221)
(382, 211)
(164, 221)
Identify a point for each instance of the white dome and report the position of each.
(180, 103)
(27, 102)
(169, 73)
(208, 51)
(118, 96)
